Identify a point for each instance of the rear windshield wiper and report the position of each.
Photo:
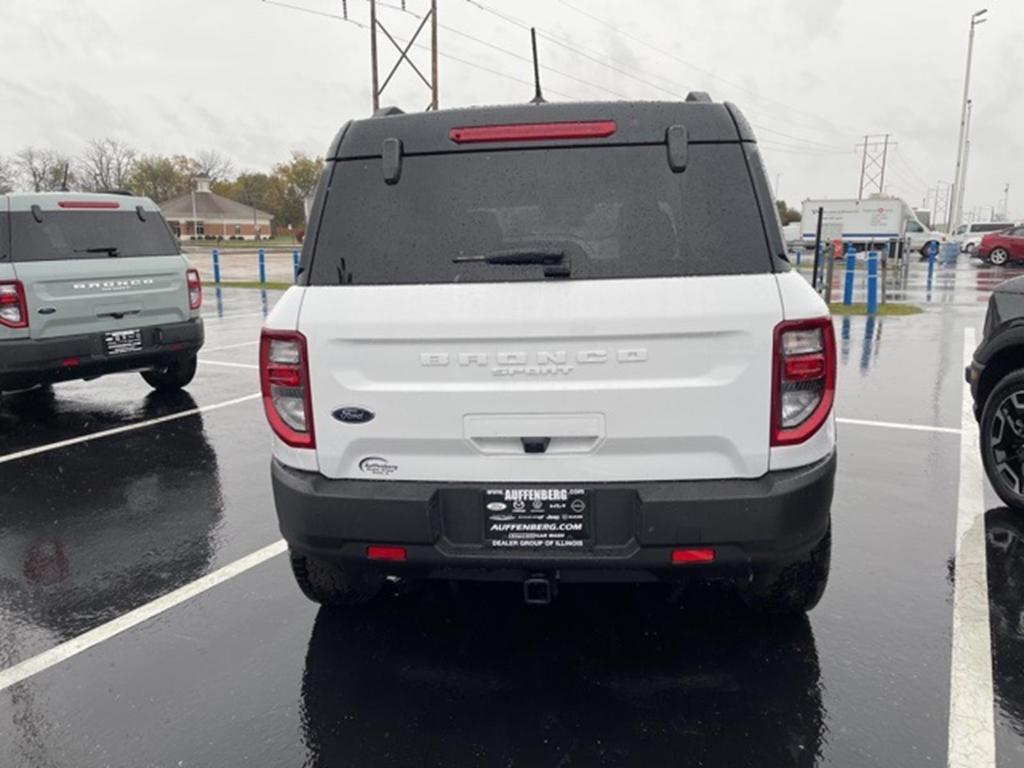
(110, 250)
(516, 256)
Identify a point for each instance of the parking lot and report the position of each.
(148, 617)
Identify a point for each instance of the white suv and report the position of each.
(547, 344)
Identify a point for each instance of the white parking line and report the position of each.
(119, 430)
(898, 425)
(971, 703)
(229, 365)
(85, 641)
(232, 346)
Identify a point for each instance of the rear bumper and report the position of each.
(27, 362)
(751, 524)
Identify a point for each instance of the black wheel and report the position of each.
(172, 377)
(970, 249)
(328, 583)
(1002, 439)
(795, 588)
(999, 256)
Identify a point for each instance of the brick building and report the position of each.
(202, 214)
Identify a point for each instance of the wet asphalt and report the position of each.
(250, 673)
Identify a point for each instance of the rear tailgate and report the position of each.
(94, 264)
(624, 380)
(99, 295)
(642, 352)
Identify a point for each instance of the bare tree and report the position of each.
(213, 165)
(107, 164)
(6, 176)
(44, 170)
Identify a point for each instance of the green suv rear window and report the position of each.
(612, 212)
(88, 235)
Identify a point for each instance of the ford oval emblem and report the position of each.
(353, 415)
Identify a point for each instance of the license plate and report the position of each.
(536, 518)
(122, 342)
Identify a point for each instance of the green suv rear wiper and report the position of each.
(516, 256)
(110, 250)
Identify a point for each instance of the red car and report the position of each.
(1001, 247)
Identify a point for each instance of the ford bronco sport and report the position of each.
(551, 343)
(996, 376)
(92, 284)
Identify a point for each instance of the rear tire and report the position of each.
(1002, 439)
(172, 377)
(998, 256)
(794, 589)
(328, 583)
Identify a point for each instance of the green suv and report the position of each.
(92, 284)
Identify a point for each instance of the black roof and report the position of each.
(637, 122)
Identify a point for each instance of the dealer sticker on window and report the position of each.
(536, 518)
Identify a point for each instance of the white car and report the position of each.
(551, 343)
(969, 235)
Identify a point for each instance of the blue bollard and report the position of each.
(799, 253)
(216, 266)
(872, 282)
(295, 264)
(263, 267)
(851, 268)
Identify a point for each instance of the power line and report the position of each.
(603, 61)
(467, 62)
(507, 52)
(619, 31)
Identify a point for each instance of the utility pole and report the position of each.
(403, 54)
(1006, 202)
(875, 153)
(976, 19)
(961, 192)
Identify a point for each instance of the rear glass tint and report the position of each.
(615, 212)
(88, 235)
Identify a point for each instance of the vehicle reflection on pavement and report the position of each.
(104, 526)
(1005, 551)
(608, 676)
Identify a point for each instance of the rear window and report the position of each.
(614, 212)
(88, 235)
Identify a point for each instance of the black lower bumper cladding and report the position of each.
(766, 521)
(27, 362)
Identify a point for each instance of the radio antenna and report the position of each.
(538, 97)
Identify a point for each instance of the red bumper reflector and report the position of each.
(686, 556)
(70, 362)
(596, 129)
(89, 204)
(378, 552)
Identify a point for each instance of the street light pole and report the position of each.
(963, 169)
(957, 206)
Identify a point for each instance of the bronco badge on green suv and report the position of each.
(92, 284)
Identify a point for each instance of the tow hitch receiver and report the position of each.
(538, 590)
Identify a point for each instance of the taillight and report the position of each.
(195, 289)
(13, 310)
(284, 379)
(803, 379)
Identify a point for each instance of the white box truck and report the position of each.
(874, 220)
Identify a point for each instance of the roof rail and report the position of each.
(699, 96)
(388, 111)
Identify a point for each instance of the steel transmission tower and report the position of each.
(403, 54)
(872, 164)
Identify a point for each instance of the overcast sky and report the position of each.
(257, 81)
